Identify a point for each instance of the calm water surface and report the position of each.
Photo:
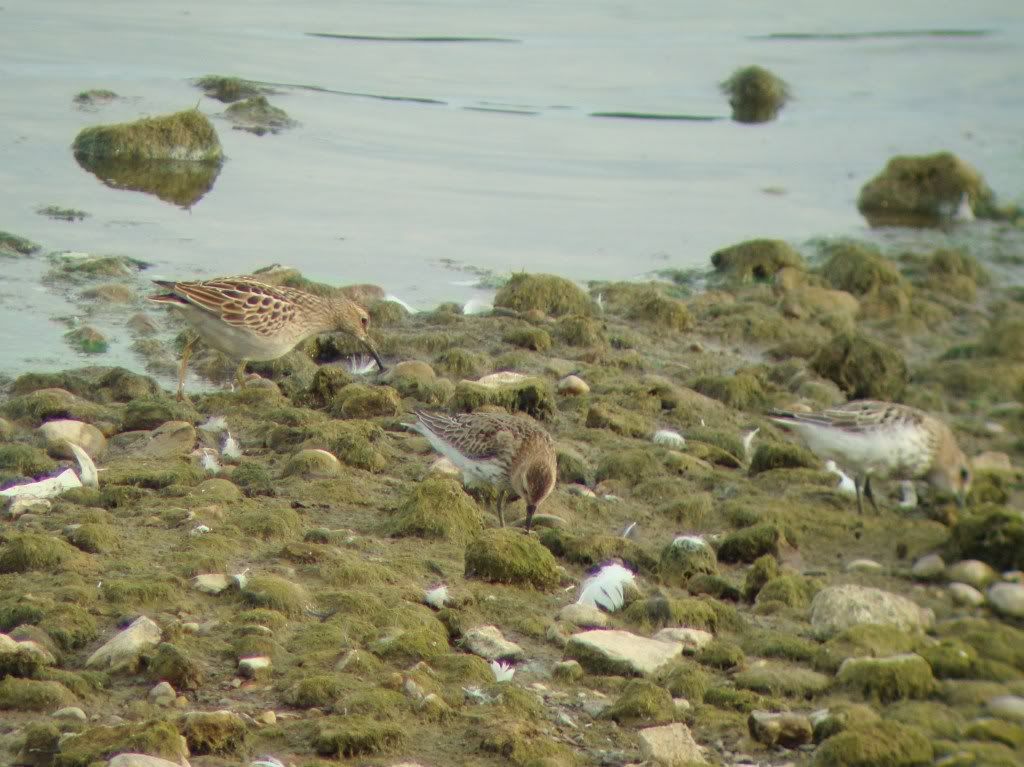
(491, 156)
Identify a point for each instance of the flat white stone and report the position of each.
(928, 568)
(584, 616)
(669, 746)
(691, 639)
(622, 650)
(1007, 599)
(251, 667)
(123, 651)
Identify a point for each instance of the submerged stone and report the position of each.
(256, 115)
(756, 95)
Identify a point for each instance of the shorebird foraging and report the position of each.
(248, 320)
(885, 440)
(510, 453)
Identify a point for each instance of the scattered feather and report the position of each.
(846, 485)
(610, 497)
(265, 760)
(199, 530)
(690, 542)
(478, 696)
(436, 597)
(503, 672)
(231, 451)
(208, 461)
(477, 306)
(360, 364)
(669, 438)
(216, 424)
(400, 302)
(607, 587)
(87, 469)
(908, 495)
(748, 441)
(964, 212)
(630, 530)
(600, 302)
(241, 578)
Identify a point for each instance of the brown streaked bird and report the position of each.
(510, 453)
(870, 438)
(249, 320)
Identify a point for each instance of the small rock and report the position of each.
(670, 745)
(162, 694)
(864, 566)
(965, 595)
(692, 640)
(142, 760)
(786, 729)
(837, 608)
(1007, 599)
(123, 651)
(253, 667)
(1007, 707)
(991, 460)
(489, 644)
(930, 567)
(267, 717)
(71, 713)
(212, 583)
(567, 670)
(190, 627)
(574, 386)
(620, 652)
(313, 464)
(58, 433)
(973, 572)
(584, 616)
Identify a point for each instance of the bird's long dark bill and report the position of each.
(376, 356)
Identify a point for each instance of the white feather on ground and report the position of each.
(503, 672)
(846, 485)
(908, 495)
(231, 451)
(748, 441)
(607, 587)
(216, 424)
(360, 364)
(208, 460)
(87, 469)
(669, 438)
(436, 597)
(477, 306)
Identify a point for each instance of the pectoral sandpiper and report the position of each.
(885, 440)
(510, 453)
(249, 320)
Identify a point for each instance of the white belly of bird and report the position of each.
(473, 472)
(238, 343)
(894, 451)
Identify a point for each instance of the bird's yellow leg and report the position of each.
(186, 352)
(240, 375)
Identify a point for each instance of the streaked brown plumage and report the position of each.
(511, 453)
(250, 320)
(887, 440)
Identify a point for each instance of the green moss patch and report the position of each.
(276, 593)
(13, 245)
(532, 396)
(438, 507)
(183, 136)
(508, 556)
(31, 695)
(25, 459)
(782, 680)
(993, 535)
(755, 260)
(221, 733)
(782, 455)
(358, 736)
(862, 367)
(888, 679)
(748, 544)
(33, 551)
(545, 292)
(97, 744)
(880, 744)
(641, 701)
(742, 391)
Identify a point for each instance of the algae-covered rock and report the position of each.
(646, 303)
(782, 455)
(782, 680)
(48, 404)
(862, 367)
(579, 330)
(742, 391)
(357, 736)
(641, 701)
(748, 544)
(865, 640)
(230, 89)
(99, 743)
(924, 190)
(789, 590)
(276, 593)
(31, 695)
(11, 245)
(257, 115)
(361, 401)
(874, 745)
(1004, 339)
(437, 507)
(756, 95)
(993, 535)
(755, 260)
(632, 466)
(186, 136)
(87, 339)
(528, 337)
(221, 733)
(313, 464)
(26, 460)
(722, 654)
(685, 680)
(34, 551)
(764, 568)
(545, 292)
(619, 420)
(864, 272)
(253, 479)
(149, 413)
(172, 664)
(529, 395)
(888, 679)
(685, 557)
(508, 556)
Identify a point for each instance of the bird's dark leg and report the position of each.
(859, 482)
(870, 495)
(240, 375)
(500, 506)
(186, 352)
(530, 511)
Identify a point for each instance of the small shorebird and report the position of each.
(249, 320)
(510, 453)
(885, 440)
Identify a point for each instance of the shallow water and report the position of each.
(490, 156)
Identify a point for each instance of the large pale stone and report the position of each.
(1007, 707)
(620, 652)
(123, 651)
(1007, 599)
(172, 439)
(838, 608)
(489, 644)
(669, 746)
(786, 729)
(212, 583)
(973, 572)
(691, 639)
(58, 433)
(584, 616)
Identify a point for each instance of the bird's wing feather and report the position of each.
(479, 436)
(261, 309)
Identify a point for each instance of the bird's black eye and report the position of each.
(965, 474)
(365, 321)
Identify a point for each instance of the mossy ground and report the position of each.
(334, 567)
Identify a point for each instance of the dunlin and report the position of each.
(510, 453)
(249, 320)
(884, 440)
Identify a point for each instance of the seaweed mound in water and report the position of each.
(259, 116)
(925, 190)
(230, 89)
(176, 157)
(755, 95)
